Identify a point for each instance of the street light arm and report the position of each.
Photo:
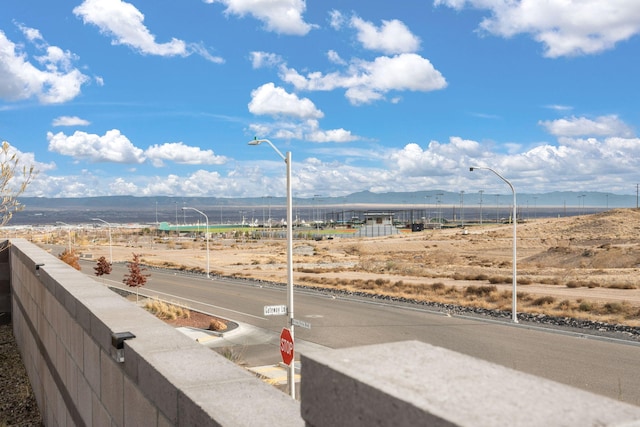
(499, 176)
(257, 141)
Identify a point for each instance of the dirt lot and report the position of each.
(585, 267)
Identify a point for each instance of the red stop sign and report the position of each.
(286, 346)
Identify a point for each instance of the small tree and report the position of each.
(10, 190)
(136, 278)
(102, 267)
(71, 258)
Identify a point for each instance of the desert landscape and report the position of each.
(583, 267)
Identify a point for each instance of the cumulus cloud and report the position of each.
(565, 28)
(366, 82)
(391, 37)
(110, 147)
(573, 126)
(279, 16)
(54, 81)
(275, 101)
(125, 24)
(70, 121)
(178, 152)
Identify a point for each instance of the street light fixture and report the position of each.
(110, 245)
(287, 160)
(514, 297)
(206, 234)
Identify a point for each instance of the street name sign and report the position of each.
(275, 310)
(301, 323)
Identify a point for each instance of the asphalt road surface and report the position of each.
(607, 367)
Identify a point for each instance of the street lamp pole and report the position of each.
(68, 232)
(206, 234)
(514, 297)
(110, 246)
(287, 159)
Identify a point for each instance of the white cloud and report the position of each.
(336, 19)
(334, 57)
(111, 147)
(315, 134)
(573, 126)
(70, 121)
(265, 59)
(413, 167)
(436, 159)
(55, 83)
(390, 38)
(180, 153)
(125, 24)
(370, 81)
(279, 16)
(27, 160)
(275, 101)
(564, 27)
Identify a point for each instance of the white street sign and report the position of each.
(300, 323)
(275, 310)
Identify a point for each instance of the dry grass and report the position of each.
(166, 311)
(487, 297)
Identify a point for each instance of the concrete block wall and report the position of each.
(63, 323)
(5, 284)
(415, 384)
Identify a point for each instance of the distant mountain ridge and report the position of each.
(432, 197)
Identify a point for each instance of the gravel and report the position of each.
(18, 405)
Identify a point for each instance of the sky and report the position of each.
(160, 98)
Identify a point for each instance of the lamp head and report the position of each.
(471, 169)
(255, 141)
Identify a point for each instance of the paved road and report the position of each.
(605, 367)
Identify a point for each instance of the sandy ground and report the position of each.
(593, 258)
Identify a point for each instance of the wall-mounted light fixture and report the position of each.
(117, 341)
(38, 269)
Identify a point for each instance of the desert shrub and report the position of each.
(524, 281)
(480, 291)
(163, 310)
(437, 286)
(480, 277)
(585, 306)
(500, 279)
(613, 308)
(545, 300)
(621, 286)
(564, 305)
(381, 282)
(217, 325)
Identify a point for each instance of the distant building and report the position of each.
(377, 224)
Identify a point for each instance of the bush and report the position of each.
(543, 300)
(480, 291)
(585, 306)
(217, 325)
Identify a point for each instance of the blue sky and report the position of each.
(158, 97)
